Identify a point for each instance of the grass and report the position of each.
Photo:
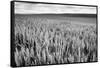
(39, 41)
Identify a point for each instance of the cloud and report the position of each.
(34, 8)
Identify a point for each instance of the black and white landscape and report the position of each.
(54, 34)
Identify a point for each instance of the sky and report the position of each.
(33, 8)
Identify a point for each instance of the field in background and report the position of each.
(41, 40)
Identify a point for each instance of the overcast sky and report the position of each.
(32, 8)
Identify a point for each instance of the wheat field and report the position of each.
(43, 41)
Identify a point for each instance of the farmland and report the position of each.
(41, 40)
